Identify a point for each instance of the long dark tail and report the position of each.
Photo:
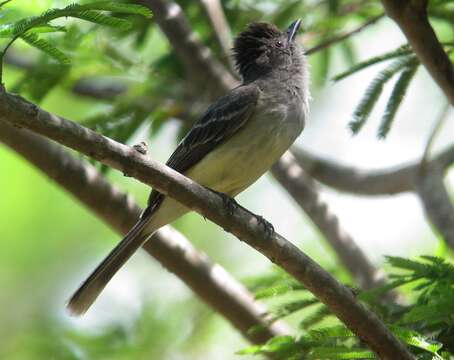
(87, 293)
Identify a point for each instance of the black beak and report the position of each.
(292, 30)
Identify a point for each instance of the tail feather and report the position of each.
(90, 289)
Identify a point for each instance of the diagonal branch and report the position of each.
(215, 13)
(387, 181)
(411, 17)
(302, 189)
(435, 200)
(239, 221)
(209, 281)
(342, 37)
(201, 67)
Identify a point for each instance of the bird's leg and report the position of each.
(269, 228)
(230, 204)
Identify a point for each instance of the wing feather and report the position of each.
(222, 119)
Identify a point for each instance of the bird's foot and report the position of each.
(269, 228)
(229, 203)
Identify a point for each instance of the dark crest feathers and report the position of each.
(250, 44)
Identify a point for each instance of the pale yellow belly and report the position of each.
(235, 164)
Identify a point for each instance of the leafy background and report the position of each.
(49, 242)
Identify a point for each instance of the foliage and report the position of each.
(425, 324)
(105, 64)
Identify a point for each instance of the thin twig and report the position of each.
(239, 221)
(215, 14)
(436, 201)
(411, 17)
(341, 37)
(349, 179)
(202, 69)
(435, 131)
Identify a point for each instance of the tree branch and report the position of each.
(411, 17)
(240, 222)
(387, 181)
(302, 189)
(209, 281)
(341, 37)
(435, 200)
(215, 14)
(202, 69)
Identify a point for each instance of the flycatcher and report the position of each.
(235, 142)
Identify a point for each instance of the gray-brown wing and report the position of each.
(222, 119)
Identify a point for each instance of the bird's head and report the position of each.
(262, 47)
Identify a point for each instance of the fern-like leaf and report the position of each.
(43, 45)
(3, 3)
(415, 339)
(395, 99)
(373, 92)
(101, 19)
(339, 352)
(294, 306)
(313, 319)
(115, 7)
(322, 334)
(401, 51)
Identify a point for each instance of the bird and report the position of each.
(237, 139)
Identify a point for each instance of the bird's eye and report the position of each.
(279, 44)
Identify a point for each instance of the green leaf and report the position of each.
(43, 45)
(294, 306)
(3, 3)
(101, 19)
(376, 292)
(339, 331)
(116, 7)
(332, 353)
(415, 339)
(395, 99)
(6, 31)
(313, 319)
(275, 344)
(401, 51)
(373, 92)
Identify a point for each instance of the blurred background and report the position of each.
(50, 242)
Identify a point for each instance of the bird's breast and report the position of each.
(242, 159)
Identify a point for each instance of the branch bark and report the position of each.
(411, 17)
(208, 281)
(215, 14)
(240, 222)
(202, 69)
(341, 37)
(388, 181)
(302, 189)
(435, 200)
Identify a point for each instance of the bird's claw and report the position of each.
(229, 203)
(269, 228)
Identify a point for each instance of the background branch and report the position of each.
(435, 200)
(221, 30)
(208, 281)
(240, 222)
(349, 179)
(411, 17)
(205, 72)
(341, 37)
(302, 189)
